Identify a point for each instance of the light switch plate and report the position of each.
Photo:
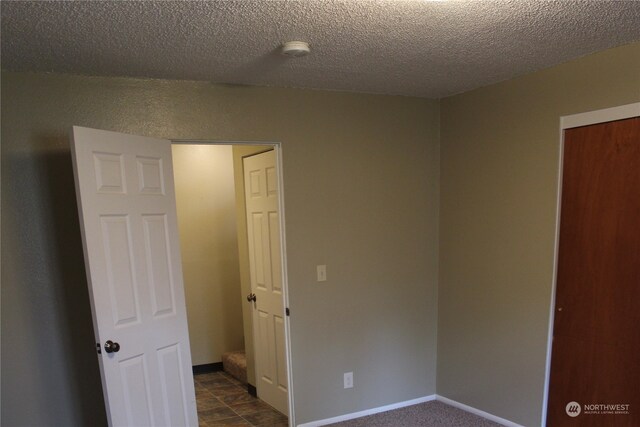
(322, 273)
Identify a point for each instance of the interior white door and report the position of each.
(263, 223)
(126, 200)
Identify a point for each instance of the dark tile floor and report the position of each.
(223, 401)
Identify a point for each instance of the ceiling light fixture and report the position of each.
(295, 49)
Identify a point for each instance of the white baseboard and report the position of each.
(477, 412)
(398, 405)
(366, 412)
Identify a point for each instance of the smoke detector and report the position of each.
(295, 49)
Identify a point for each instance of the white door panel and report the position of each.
(126, 201)
(263, 223)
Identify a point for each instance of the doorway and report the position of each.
(219, 267)
(127, 205)
(593, 371)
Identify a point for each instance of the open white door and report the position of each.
(126, 200)
(263, 227)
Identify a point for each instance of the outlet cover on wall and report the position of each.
(348, 380)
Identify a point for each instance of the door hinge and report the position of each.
(286, 311)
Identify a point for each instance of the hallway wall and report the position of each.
(205, 198)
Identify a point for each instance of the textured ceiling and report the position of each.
(410, 47)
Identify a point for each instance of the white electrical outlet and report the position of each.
(348, 380)
(322, 273)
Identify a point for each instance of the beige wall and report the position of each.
(205, 197)
(499, 167)
(361, 196)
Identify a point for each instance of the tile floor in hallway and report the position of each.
(223, 401)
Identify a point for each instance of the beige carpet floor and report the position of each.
(424, 414)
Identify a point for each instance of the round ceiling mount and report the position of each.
(295, 48)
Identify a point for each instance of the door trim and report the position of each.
(277, 147)
(567, 122)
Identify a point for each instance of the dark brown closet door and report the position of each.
(596, 336)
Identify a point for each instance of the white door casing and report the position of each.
(263, 229)
(126, 202)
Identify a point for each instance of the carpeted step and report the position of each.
(235, 364)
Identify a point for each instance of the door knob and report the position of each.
(251, 297)
(111, 347)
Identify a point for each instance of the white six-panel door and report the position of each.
(263, 223)
(126, 201)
